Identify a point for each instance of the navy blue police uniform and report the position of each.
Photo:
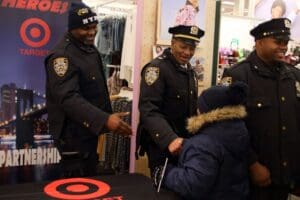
(77, 100)
(168, 96)
(273, 110)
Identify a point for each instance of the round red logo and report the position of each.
(76, 188)
(35, 32)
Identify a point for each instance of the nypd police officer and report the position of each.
(78, 102)
(168, 95)
(273, 111)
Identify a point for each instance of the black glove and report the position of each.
(157, 175)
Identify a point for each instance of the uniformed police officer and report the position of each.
(273, 111)
(78, 101)
(168, 95)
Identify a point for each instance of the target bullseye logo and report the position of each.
(77, 188)
(35, 32)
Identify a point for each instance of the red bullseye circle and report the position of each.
(34, 33)
(77, 188)
(51, 189)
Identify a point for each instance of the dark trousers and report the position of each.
(78, 158)
(269, 193)
(156, 157)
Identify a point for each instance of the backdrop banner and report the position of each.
(29, 30)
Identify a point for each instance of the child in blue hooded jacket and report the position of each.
(213, 164)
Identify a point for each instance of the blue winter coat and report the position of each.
(212, 164)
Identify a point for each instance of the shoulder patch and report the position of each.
(60, 66)
(226, 81)
(151, 74)
(297, 84)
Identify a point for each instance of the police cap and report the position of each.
(188, 34)
(277, 28)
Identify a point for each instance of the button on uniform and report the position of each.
(284, 163)
(259, 105)
(86, 124)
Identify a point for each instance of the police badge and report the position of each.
(60, 66)
(151, 75)
(287, 23)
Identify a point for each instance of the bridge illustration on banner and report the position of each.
(23, 120)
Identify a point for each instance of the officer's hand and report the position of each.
(260, 175)
(175, 146)
(117, 125)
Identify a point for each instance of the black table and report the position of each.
(128, 186)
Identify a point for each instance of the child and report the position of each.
(212, 164)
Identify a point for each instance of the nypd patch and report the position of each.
(60, 66)
(151, 74)
(297, 84)
(226, 81)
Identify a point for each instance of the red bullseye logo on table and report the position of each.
(76, 188)
(35, 32)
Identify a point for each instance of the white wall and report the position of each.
(233, 27)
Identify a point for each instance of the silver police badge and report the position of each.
(151, 75)
(60, 66)
(297, 84)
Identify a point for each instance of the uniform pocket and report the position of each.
(259, 111)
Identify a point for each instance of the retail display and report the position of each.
(113, 149)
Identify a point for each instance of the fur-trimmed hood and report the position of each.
(228, 112)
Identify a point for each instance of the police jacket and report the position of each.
(273, 118)
(77, 95)
(213, 164)
(168, 96)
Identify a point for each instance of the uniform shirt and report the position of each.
(273, 118)
(168, 96)
(77, 97)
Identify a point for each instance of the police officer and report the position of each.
(168, 95)
(78, 102)
(273, 111)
